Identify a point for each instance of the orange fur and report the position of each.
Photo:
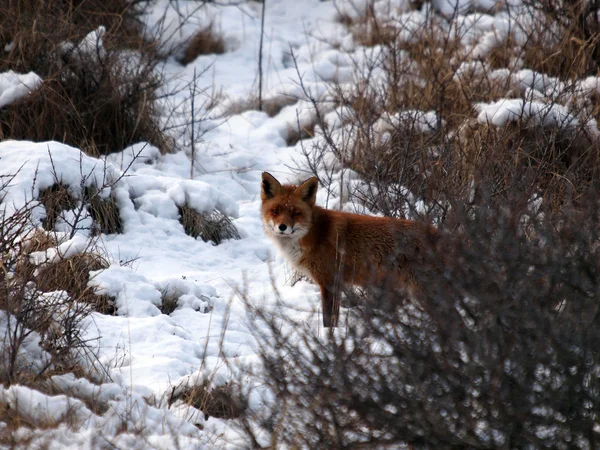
(335, 248)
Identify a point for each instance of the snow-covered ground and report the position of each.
(147, 353)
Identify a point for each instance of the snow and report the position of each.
(14, 86)
(31, 167)
(510, 110)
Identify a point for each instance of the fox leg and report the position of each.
(331, 307)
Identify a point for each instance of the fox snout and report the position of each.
(282, 228)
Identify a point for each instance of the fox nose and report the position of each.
(282, 227)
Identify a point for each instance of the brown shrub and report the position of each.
(271, 106)
(104, 212)
(204, 42)
(213, 226)
(72, 275)
(100, 103)
(296, 134)
(25, 295)
(56, 199)
(559, 163)
(223, 402)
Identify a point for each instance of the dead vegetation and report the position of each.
(564, 41)
(56, 199)
(204, 42)
(97, 95)
(223, 402)
(415, 132)
(47, 302)
(169, 301)
(214, 226)
(270, 105)
(72, 275)
(104, 211)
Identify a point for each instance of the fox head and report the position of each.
(287, 209)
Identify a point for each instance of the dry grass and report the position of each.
(104, 212)
(38, 241)
(459, 161)
(271, 106)
(102, 103)
(566, 40)
(72, 275)
(29, 23)
(553, 160)
(55, 200)
(169, 302)
(215, 226)
(296, 134)
(204, 42)
(222, 402)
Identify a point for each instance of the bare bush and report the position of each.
(38, 303)
(501, 352)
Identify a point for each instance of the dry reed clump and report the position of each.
(214, 226)
(55, 200)
(72, 275)
(97, 99)
(564, 41)
(270, 105)
(296, 134)
(168, 301)
(368, 29)
(36, 26)
(204, 42)
(104, 212)
(38, 241)
(559, 163)
(506, 54)
(223, 402)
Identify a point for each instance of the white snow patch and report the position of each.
(510, 110)
(14, 86)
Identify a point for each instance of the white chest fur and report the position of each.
(290, 249)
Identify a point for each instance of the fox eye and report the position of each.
(295, 213)
(275, 211)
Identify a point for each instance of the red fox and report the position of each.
(335, 248)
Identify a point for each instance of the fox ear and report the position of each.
(308, 190)
(270, 186)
